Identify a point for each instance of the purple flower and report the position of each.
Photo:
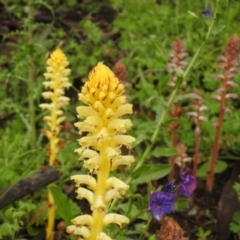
(186, 183)
(168, 188)
(207, 13)
(161, 203)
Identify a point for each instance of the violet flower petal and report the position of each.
(161, 203)
(186, 183)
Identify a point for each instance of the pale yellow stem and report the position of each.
(52, 158)
(51, 217)
(102, 177)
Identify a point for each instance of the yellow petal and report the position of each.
(119, 125)
(89, 141)
(99, 203)
(84, 179)
(92, 164)
(116, 183)
(123, 140)
(84, 193)
(60, 120)
(122, 160)
(87, 153)
(45, 106)
(112, 194)
(95, 121)
(103, 236)
(84, 111)
(124, 109)
(47, 95)
(83, 220)
(84, 127)
(83, 231)
(118, 219)
(98, 106)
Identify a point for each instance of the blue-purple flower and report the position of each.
(169, 187)
(186, 183)
(161, 203)
(207, 13)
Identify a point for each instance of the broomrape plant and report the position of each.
(57, 74)
(101, 151)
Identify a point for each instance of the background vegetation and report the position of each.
(140, 34)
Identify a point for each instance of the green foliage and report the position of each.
(14, 219)
(182, 203)
(62, 203)
(220, 167)
(149, 172)
(236, 187)
(202, 234)
(235, 225)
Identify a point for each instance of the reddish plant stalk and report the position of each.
(176, 63)
(215, 147)
(228, 65)
(198, 118)
(197, 145)
(175, 141)
(175, 112)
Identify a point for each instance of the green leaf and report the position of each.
(235, 225)
(140, 138)
(218, 29)
(152, 237)
(133, 211)
(142, 201)
(187, 97)
(6, 229)
(64, 206)
(164, 152)
(202, 171)
(147, 173)
(182, 203)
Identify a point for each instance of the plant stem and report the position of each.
(215, 148)
(177, 17)
(51, 215)
(31, 75)
(197, 144)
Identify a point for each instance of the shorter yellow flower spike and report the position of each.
(104, 134)
(57, 75)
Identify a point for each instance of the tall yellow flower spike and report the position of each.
(101, 151)
(57, 74)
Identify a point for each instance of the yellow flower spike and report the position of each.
(57, 74)
(100, 148)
